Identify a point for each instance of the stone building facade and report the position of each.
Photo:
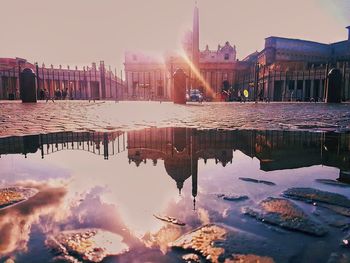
(146, 77)
(296, 70)
(285, 70)
(94, 82)
(206, 70)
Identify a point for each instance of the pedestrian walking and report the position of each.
(58, 94)
(41, 94)
(64, 93)
(47, 96)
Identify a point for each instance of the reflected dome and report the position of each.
(178, 167)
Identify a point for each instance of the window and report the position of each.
(134, 57)
(227, 56)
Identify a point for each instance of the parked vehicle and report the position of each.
(194, 95)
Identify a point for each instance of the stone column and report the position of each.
(88, 92)
(17, 87)
(347, 87)
(167, 90)
(304, 90)
(320, 92)
(1, 87)
(272, 89)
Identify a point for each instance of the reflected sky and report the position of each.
(118, 181)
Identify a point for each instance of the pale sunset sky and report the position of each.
(78, 32)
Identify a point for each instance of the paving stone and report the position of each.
(332, 182)
(284, 213)
(191, 258)
(91, 245)
(252, 180)
(13, 195)
(217, 243)
(232, 197)
(296, 116)
(170, 219)
(249, 259)
(339, 258)
(312, 195)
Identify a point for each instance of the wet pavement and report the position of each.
(23, 119)
(174, 194)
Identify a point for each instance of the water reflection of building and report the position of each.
(99, 143)
(182, 148)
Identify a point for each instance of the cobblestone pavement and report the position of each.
(22, 119)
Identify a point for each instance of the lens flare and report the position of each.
(208, 89)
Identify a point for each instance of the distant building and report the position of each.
(278, 49)
(87, 83)
(296, 70)
(207, 70)
(146, 77)
(285, 70)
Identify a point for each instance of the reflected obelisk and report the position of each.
(194, 168)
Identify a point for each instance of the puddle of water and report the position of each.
(139, 184)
